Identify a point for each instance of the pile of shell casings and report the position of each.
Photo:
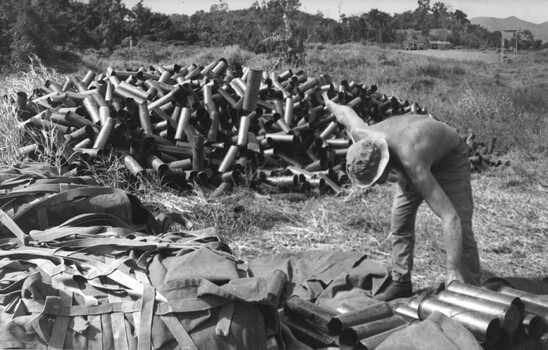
(215, 125)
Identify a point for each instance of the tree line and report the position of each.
(51, 28)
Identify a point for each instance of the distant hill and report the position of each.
(540, 31)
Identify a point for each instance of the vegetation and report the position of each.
(506, 101)
(54, 30)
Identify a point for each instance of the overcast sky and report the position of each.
(535, 11)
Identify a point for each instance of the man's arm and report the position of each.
(440, 204)
(346, 116)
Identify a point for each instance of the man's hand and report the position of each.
(345, 115)
(331, 106)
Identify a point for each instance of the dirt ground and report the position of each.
(525, 70)
(464, 55)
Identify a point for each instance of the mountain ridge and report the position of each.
(492, 24)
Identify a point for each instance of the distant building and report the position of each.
(411, 39)
(440, 45)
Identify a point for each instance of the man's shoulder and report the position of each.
(401, 122)
(419, 141)
(408, 127)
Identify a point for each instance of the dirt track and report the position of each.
(461, 55)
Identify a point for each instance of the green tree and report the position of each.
(276, 14)
(183, 29)
(380, 21)
(422, 16)
(440, 15)
(28, 34)
(526, 39)
(112, 26)
(78, 29)
(424, 5)
(140, 20)
(406, 20)
(461, 17)
(6, 20)
(221, 7)
(105, 19)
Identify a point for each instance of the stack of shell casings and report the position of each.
(215, 125)
(497, 318)
(481, 154)
(348, 327)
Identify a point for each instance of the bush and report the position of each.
(530, 99)
(235, 55)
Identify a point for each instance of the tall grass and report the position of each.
(461, 93)
(25, 81)
(9, 132)
(153, 53)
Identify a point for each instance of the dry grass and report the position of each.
(511, 211)
(510, 225)
(12, 136)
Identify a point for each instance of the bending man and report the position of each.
(431, 162)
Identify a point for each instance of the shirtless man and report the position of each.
(431, 162)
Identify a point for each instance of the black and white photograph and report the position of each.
(274, 174)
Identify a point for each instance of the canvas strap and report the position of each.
(106, 327)
(38, 189)
(13, 227)
(118, 325)
(179, 332)
(56, 233)
(98, 268)
(96, 219)
(118, 319)
(52, 306)
(225, 319)
(60, 326)
(68, 196)
(145, 317)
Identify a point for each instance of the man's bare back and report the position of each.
(415, 139)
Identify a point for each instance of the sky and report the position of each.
(535, 11)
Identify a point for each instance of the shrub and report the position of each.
(530, 99)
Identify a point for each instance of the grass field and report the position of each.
(488, 56)
(492, 99)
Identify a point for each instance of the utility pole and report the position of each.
(501, 46)
(514, 33)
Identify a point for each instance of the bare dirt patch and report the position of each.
(460, 55)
